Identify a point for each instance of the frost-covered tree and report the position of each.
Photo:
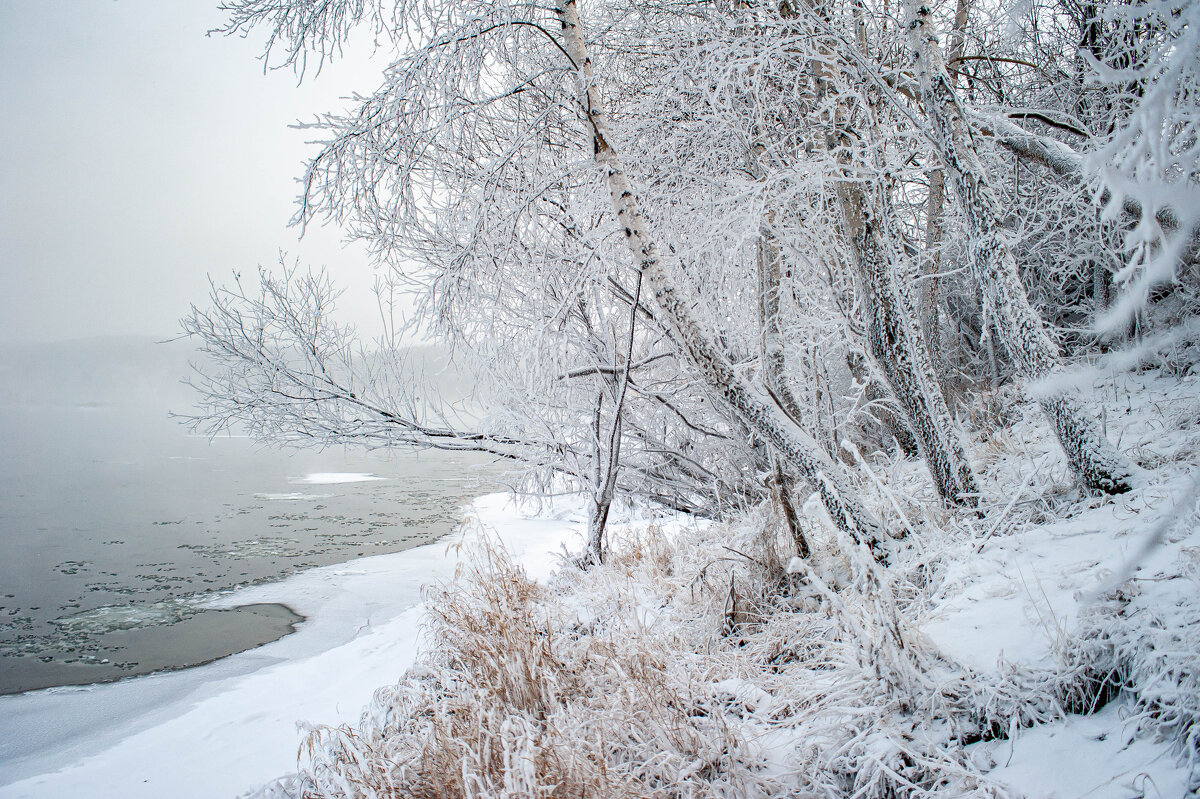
(480, 156)
(1147, 66)
(688, 247)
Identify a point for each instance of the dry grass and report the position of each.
(520, 699)
(620, 682)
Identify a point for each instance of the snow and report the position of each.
(227, 728)
(331, 478)
(1021, 599)
(1019, 595)
(1016, 597)
(1094, 756)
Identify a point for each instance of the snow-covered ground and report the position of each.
(1010, 625)
(226, 728)
(1046, 648)
(1097, 756)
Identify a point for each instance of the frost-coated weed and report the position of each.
(618, 681)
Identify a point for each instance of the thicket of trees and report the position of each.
(711, 254)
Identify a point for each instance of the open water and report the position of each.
(116, 524)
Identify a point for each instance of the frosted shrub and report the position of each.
(523, 695)
(636, 679)
(1153, 66)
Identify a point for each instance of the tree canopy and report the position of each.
(709, 254)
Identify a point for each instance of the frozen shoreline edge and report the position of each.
(362, 631)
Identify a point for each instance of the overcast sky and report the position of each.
(139, 155)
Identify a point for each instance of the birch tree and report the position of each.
(1004, 300)
(490, 86)
(761, 414)
(664, 234)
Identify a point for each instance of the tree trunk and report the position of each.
(608, 458)
(895, 342)
(782, 485)
(929, 304)
(770, 278)
(761, 414)
(930, 299)
(899, 347)
(603, 482)
(1006, 304)
(781, 494)
(890, 422)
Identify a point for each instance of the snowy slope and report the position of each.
(1047, 648)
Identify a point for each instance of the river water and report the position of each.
(116, 524)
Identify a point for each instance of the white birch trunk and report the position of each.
(900, 349)
(1006, 304)
(761, 414)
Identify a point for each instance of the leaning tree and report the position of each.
(682, 244)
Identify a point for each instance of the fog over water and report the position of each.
(144, 155)
(116, 522)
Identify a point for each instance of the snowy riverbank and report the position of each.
(1045, 648)
(225, 728)
(693, 659)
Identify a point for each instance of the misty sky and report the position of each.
(140, 155)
